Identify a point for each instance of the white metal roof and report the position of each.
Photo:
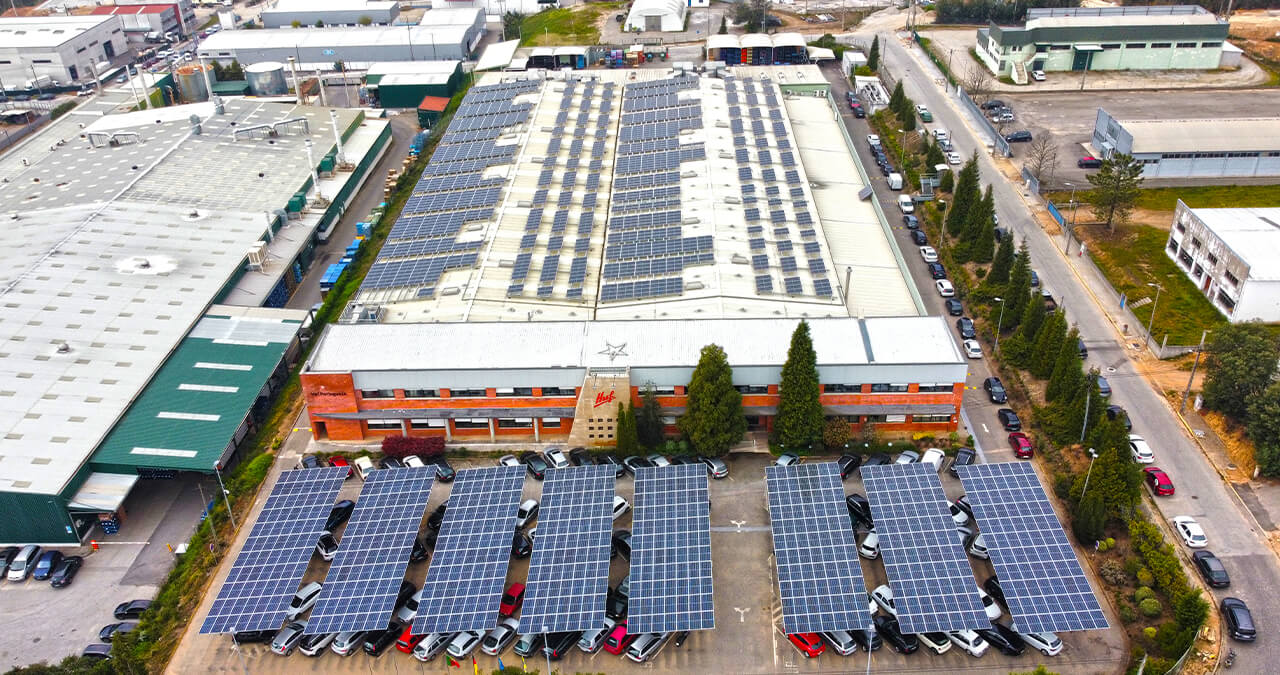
(35, 32)
(788, 40)
(726, 41)
(1252, 234)
(320, 38)
(1138, 20)
(1222, 134)
(328, 5)
(755, 40)
(452, 16)
(497, 55)
(657, 8)
(103, 492)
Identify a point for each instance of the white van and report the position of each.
(895, 181)
(364, 466)
(905, 204)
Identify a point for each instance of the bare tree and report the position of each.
(977, 82)
(1042, 158)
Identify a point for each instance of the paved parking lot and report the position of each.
(744, 641)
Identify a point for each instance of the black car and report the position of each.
(964, 457)
(1035, 279)
(1088, 163)
(66, 571)
(911, 222)
(558, 644)
(131, 609)
(327, 546)
(390, 463)
(248, 637)
(1023, 136)
(965, 325)
(521, 547)
(993, 104)
(954, 308)
(621, 544)
(886, 168)
(962, 503)
(6, 558)
(376, 642)
(919, 238)
(683, 459)
(995, 390)
(868, 640)
(444, 472)
(1114, 411)
(437, 517)
(536, 465)
(340, 513)
(580, 457)
(1008, 642)
(1239, 620)
(679, 639)
(888, 629)
(858, 112)
(1211, 568)
(420, 551)
(849, 464)
(1080, 346)
(878, 459)
(97, 651)
(937, 271)
(46, 564)
(309, 462)
(1000, 233)
(1009, 419)
(110, 630)
(636, 462)
(992, 587)
(615, 604)
(859, 510)
(618, 468)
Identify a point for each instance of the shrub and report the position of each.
(1172, 641)
(403, 446)
(1110, 543)
(1142, 593)
(1145, 577)
(1149, 632)
(1127, 614)
(1132, 565)
(1112, 573)
(1062, 485)
(1149, 607)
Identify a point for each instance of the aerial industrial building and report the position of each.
(284, 13)
(1219, 147)
(62, 48)
(575, 239)
(142, 331)
(1232, 256)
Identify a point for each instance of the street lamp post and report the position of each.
(546, 648)
(225, 497)
(1072, 228)
(235, 647)
(1093, 454)
(999, 322)
(902, 149)
(1155, 303)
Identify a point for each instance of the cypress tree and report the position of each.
(999, 274)
(1018, 290)
(713, 420)
(1048, 344)
(649, 427)
(963, 197)
(625, 436)
(947, 183)
(908, 115)
(1090, 518)
(933, 157)
(983, 245)
(895, 99)
(1017, 349)
(799, 421)
(1067, 376)
(873, 56)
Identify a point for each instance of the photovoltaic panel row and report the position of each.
(647, 288)
(819, 578)
(569, 570)
(465, 581)
(671, 585)
(1042, 580)
(933, 584)
(266, 572)
(360, 589)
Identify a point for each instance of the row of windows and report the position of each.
(466, 393)
(1210, 155)
(885, 388)
(876, 388)
(1040, 49)
(468, 423)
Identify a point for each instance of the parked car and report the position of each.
(787, 459)
(45, 565)
(110, 630)
(882, 595)
(907, 457)
(436, 519)
(1190, 532)
(132, 609)
(877, 459)
(7, 556)
(647, 646)
(247, 637)
(1021, 445)
(1159, 482)
(972, 349)
(535, 464)
(511, 600)
(636, 462)
(973, 543)
(1022, 136)
(1140, 451)
(556, 645)
(464, 643)
(953, 158)
(620, 506)
(848, 464)
(521, 546)
(911, 222)
(995, 390)
(1088, 162)
(1115, 411)
(287, 638)
(1009, 419)
(580, 457)
(954, 308)
(618, 469)
(928, 254)
(314, 645)
(1004, 639)
(891, 632)
(308, 462)
(933, 456)
(808, 644)
(66, 571)
(945, 289)
(527, 513)
(716, 466)
(508, 460)
(617, 640)
(1239, 621)
(557, 458)
(868, 640)
(303, 600)
(615, 604)
(1211, 568)
(327, 546)
(339, 514)
(840, 640)
(24, 563)
(919, 237)
(592, 640)
(364, 467)
(936, 642)
(390, 463)
(500, 637)
(869, 548)
(376, 642)
(992, 588)
(347, 642)
(965, 456)
(444, 472)
(936, 270)
(97, 651)
(528, 644)
(958, 515)
(969, 641)
(407, 600)
(858, 110)
(1046, 643)
(1037, 75)
(430, 646)
(873, 141)
(342, 461)
(964, 326)
(1104, 387)
(859, 510)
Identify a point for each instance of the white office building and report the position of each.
(57, 47)
(1232, 256)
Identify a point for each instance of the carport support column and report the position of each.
(404, 427)
(537, 430)
(493, 437)
(448, 430)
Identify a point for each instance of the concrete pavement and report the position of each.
(1233, 533)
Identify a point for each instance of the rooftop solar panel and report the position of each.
(360, 589)
(569, 570)
(671, 587)
(1042, 580)
(465, 580)
(267, 570)
(819, 578)
(932, 582)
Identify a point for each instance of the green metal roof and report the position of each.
(231, 87)
(187, 416)
(1017, 36)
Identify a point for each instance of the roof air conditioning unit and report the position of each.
(258, 255)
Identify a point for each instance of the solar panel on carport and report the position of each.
(569, 570)
(1041, 578)
(465, 581)
(671, 586)
(360, 589)
(932, 582)
(819, 577)
(266, 573)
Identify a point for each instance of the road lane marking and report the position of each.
(985, 430)
(742, 613)
(741, 528)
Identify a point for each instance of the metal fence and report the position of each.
(1000, 145)
(1032, 183)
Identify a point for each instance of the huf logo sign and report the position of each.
(603, 398)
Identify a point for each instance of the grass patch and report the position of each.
(555, 27)
(1201, 197)
(1132, 258)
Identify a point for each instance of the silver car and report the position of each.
(314, 645)
(287, 638)
(716, 467)
(592, 640)
(841, 641)
(464, 643)
(347, 642)
(303, 600)
(431, 646)
(647, 646)
(501, 637)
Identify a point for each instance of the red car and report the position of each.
(1158, 481)
(511, 600)
(341, 461)
(809, 644)
(617, 641)
(1021, 445)
(408, 640)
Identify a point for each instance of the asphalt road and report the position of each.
(1232, 532)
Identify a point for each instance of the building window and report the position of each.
(1195, 244)
(1160, 45)
(1173, 245)
(751, 388)
(895, 419)
(1213, 259)
(471, 423)
(557, 391)
(377, 393)
(427, 424)
(515, 423)
(1040, 49)
(1197, 272)
(514, 391)
(421, 393)
(887, 388)
(551, 423)
(1226, 302)
(1059, 48)
(1231, 278)
(1180, 227)
(1185, 259)
(384, 424)
(668, 420)
(1136, 45)
(1186, 45)
(930, 418)
(876, 418)
(842, 388)
(1111, 45)
(940, 387)
(466, 393)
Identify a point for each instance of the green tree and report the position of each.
(873, 56)
(933, 157)
(365, 20)
(1116, 480)
(1190, 610)
(799, 420)
(217, 70)
(1066, 378)
(1105, 432)
(626, 440)
(1016, 291)
(1089, 519)
(908, 117)
(835, 434)
(319, 23)
(982, 240)
(963, 197)
(511, 25)
(713, 419)
(724, 26)
(1240, 364)
(999, 274)
(1116, 186)
(1049, 339)
(296, 24)
(649, 426)
(234, 71)
(895, 99)
(947, 182)
(1264, 429)
(1017, 349)
(339, 65)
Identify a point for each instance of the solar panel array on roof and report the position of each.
(569, 570)
(465, 580)
(360, 588)
(671, 585)
(932, 582)
(266, 573)
(1042, 580)
(819, 578)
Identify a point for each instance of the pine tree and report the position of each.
(1089, 519)
(1067, 376)
(625, 438)
(895, 99)
(999, 274)
(908, 116)
(713, 419)
(1017, 349)
(1018, 290)
(947, 183)
(649, 426)
(873, 56)
(799, 420)
(1048, 343)
(933, 157)
(963, 197)
(982, 246)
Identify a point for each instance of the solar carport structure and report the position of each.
(671, 587)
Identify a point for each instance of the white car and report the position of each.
(347, 642)
(883, 597)
(870, 546)
(1140, 451)
(501, 637)
(989, 603)
(972, 349)
(413, 461)
(526, 513)
(873, 140)
(407, 612)
(364, 467)
(933, 456)
(945, 289)
(556, 458)
(620, 506)
(303, 600)
(1037, 75)
(922, 109)
(969, 641)
(953, 158)
(508, 460)
(906, 204)
(937, 642)
(973, 543)
(929, 254)
(958, 516)
(1190, 531)
(464, 643)
(1046, 642)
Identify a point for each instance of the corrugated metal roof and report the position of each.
(1079, 30)
(1243, 134)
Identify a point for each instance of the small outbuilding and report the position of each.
(656, 15)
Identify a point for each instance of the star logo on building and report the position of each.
(613, 351)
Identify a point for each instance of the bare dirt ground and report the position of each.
(1252, 28)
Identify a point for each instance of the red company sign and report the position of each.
(602, 399)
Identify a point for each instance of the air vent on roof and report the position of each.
(732, 200)
(524, 204)
(694, 286)
(739, 259)
(692, 220)
(64, 348)
(21, 483)
(722, 124)
(451, 290)
(506, 263)
(689, 174)
(41, 460)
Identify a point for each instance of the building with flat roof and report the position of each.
(1232, 256)
(283, 13)
(403, 84)
(186, 11)
(1167, 37)
(1183, 148)
(577, 237)
(118, 256)
(63, 48)
(357, 47)
(142, 19)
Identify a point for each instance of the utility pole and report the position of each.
(1194, 364)
(1088, 393)
(1154, 305)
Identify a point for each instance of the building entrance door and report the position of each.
(1081, 60)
